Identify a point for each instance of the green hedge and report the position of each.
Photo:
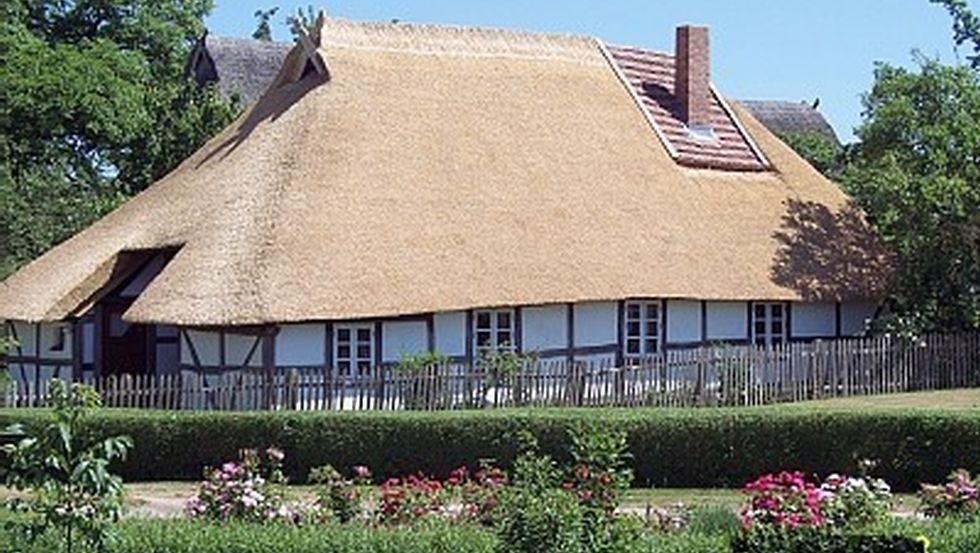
(676, 448)
(816, 541)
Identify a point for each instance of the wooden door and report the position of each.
(124, 345)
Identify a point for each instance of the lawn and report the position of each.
(956, 400)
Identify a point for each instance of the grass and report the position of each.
(955, 400)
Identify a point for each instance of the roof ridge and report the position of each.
(462, 40)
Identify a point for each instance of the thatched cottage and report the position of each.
(401, 188)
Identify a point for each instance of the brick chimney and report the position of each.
(691, 76)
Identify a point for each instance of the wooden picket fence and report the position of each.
(706, 376)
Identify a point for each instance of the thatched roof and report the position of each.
(444, 168)
(784, 117)
(238, 66)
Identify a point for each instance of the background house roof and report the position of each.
(784, 117)
(444, 168)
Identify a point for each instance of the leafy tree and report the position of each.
(71, 489)
(966, 27)
(915, 172)
(263, 31)
(821, 151)
(94, 106)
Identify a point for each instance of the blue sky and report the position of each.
(774, 49)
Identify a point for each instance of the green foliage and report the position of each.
(821, 151)
(915, 174)
(669, 448)
(966, 26)
(301, 21)
(71, 488)
(958, 498)
(416, 363)
(340, 496)
(713, 519)
(94, 107)
(810, 540)
(181, 536)
(262, 29)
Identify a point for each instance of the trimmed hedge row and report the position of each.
(803, 541)
(675, 448)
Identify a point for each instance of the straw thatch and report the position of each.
(447, 168)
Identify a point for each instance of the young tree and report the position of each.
(263, 31)
(71, 489)
(94, 106)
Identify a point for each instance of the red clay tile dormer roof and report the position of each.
(651, 75)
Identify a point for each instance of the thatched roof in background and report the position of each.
(785, 118)
(446, 168)
(239, 66)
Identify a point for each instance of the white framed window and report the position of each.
(768, 323)
(493, 330)
(353, 348)
(641, 329)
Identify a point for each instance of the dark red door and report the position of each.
(124, 345)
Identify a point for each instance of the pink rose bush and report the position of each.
(788, 500)
(243, 490)
(783, 500)
(338, 497)
(958, 497)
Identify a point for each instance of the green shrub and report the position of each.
(811, 540)
(669, 448)
(713, 519)
(158, 536)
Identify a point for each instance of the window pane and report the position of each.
(760, 341)
(482, 319)
(777, 310)
(343, 351)
(632, 311)
(364, 334)
(503, 319)
(760, 311)
(652, 328)
(343, 367)
(364, 352)
(633, 328)
(777, 328)
(363, 368)
(760, 327)
(632, 346)
(653, 311)
(343, 335)
(651, 346)
(483, 338)
(503, 339)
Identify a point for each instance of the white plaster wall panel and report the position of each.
(237, 348)
(596, 323)
(683, 321)
(855, 316)
(300, 345)
(450, 330)
(544, 327)
(813, 320)
(25, 334)
(727, 320)
(403, 338)
(597, 360)
(167, 358)
(88, 342)
(142, 280)
(206, 344)
(56, 341)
